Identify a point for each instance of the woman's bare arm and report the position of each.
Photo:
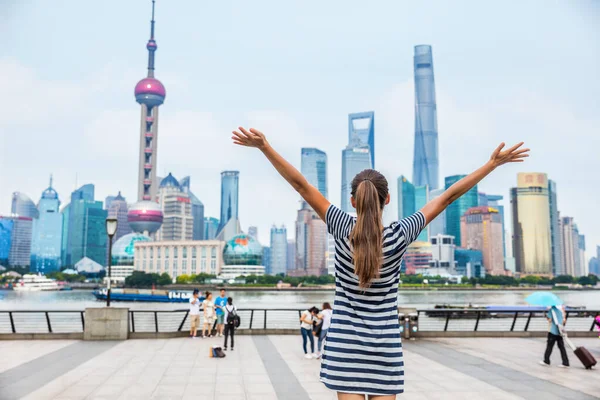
(499, 157)
(255, 138)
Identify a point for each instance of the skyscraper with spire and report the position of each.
(150, 94)
(47, 234)
(425, 162)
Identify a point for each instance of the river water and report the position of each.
(79, 299)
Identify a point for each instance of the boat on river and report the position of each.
(36, 283)
(147, 295)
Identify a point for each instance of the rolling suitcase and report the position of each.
(586, 358)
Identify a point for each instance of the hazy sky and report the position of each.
(504, 70)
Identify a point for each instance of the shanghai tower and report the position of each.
(150, 94)
(425, 161)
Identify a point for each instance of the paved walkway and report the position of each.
(273, 367)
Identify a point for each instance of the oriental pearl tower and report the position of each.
(146, 215)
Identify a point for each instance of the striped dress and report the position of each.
(363, 349)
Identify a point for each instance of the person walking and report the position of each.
(597, 322)
(209, 315)
(230, 316)
(194, 313)
(220, 302)
(556, 322)
(307, 319)
(325, 316)
(363, 351)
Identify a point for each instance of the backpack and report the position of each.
(217, 352)
(233, 318)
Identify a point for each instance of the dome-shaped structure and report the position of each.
(170, 181)
(50, 194)
(242, 250)
(145, 217)
(150, 91)
(123, 249)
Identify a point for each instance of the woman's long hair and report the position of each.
(370, 191)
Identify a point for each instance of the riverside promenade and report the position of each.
(273, 367)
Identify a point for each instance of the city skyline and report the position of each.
(92, 100)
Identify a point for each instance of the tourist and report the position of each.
(325, 317)
(194, 313)
(556, 322)
(597, 322)
(307, 319)
(209, 315)
(363, 351)
(230, 320)
(220, 302)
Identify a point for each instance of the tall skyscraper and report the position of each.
(6, 227)
(65, 253)
(314, 168)
(458, 208)
(354, 160)
(311, 233)
(493, 200)
(229, 224)
(438, 225)
(532, 243)
(278, 250)
(583, 267)
(570, 247)
(291, 255)
(197, 210)
(555, 231)
(410, 200)
(481, 229)
(47, 234)
(266, 259)
(211, 226)
(361, 132)
(117, 208)
(150, 94)
(22, 206)
(19, 243)
(406, 198)
(178, 222)
(422, 198)
(425, 161)
(86, 231)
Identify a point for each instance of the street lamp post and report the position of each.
(111, 229)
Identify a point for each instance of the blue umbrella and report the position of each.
(545, 299)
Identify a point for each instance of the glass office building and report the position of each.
(47, 234)
(532, 241)
(425, 161)
(361, 132)
(279, 244)
(406, 197)
(438, 225)
(22, 206)
(354, 160)
(555, 231)
(458, 208)
(6, 227)
(314, 168)
(197, 210)
(422, 198)
(86, 231)
(229, 197)
(211, 226)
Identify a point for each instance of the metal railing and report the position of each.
(505, 320)
(160, 321)
(26, 321)
(171, 321)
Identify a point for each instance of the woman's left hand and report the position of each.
(252, 138)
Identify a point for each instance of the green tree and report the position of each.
(164, 279)
(563, 279)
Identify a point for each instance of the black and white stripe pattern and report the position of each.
(363, 349)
